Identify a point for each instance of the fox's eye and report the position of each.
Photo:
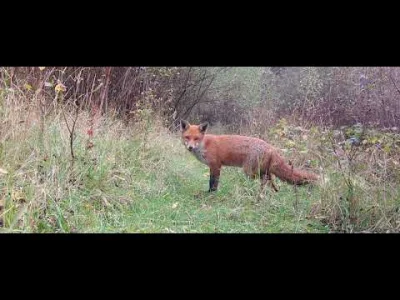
(186, 138)
(196, 139)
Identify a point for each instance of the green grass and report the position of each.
(127, 184)
(141, 179)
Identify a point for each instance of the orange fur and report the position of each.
(255, 156)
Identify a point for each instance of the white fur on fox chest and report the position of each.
(199, 153)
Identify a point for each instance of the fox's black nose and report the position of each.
(190, 148)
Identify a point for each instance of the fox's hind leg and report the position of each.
(247, 170)
(272, 183)
(268, 178)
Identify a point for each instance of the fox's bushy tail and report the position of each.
(290, 174)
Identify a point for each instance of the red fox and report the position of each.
(257, 157)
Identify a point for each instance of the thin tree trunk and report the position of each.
(104, 98)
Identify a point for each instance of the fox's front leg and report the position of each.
(215, 171)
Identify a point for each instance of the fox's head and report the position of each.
(192, 135)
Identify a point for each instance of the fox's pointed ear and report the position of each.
(184, 125)
(203, 127)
